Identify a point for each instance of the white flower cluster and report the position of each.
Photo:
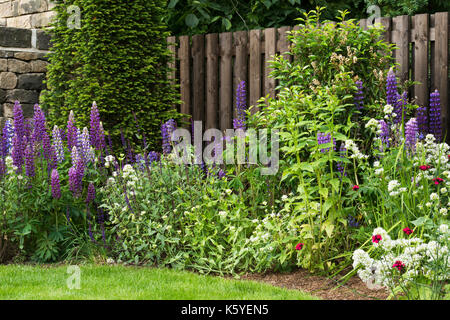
(394, 188)
(356, 154)
(374, 125)
(109, 160)
(415, 258)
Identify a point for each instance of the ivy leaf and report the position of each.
(191, 20)
(226, 23)
(172, 4)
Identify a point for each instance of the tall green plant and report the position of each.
(118, 58)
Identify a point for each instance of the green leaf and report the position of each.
(191, 20)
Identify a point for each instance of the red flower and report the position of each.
(299, 246)
(399, 265)
(376, 238)
(424, 168)
(437, 180)
(355, 187)
(408, 231)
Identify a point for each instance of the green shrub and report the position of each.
(117, 58)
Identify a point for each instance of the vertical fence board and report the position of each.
(400, 36)
(226, 80)
(363, 24)
(386, 22)
(240, 63)
(270, 38)
(185, 83)
(421, 32)
(198, 70)
(255, 75)
(212, 80)
(441, 63)
(283, 42)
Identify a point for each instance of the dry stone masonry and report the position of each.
(27, 14)
(23, 65)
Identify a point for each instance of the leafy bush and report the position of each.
(120, 62)
(328, 54)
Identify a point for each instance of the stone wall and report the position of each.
(22, 68)
(27, 14)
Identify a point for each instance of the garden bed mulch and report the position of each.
(353, 289)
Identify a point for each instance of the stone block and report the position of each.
(27, 108)
(41, 20)
(8, 80)
(27, 56)
(31, 81)
(18, 66)
(38, 66)
(6, 10)
(32, 6)
(22, 95)
(42, 40)
(2, 95)
(6, 54)
(13, 37)
(23, 22)
(3, 64)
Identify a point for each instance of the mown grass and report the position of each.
(102, 282)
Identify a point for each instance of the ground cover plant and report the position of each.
(363, 180)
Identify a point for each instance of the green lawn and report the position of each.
(119, 282)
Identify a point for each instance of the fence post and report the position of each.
(441, 58)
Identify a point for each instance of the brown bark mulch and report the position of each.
(327, 289)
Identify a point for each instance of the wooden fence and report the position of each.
(209, 67)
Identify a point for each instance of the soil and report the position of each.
(325, 288)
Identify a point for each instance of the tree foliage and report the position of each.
(118, 58)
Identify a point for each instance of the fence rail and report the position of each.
(209, 67)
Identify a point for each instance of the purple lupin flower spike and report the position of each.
(90, 193)
(75, 156)
(340, 164)
(39, 124)
(17, 153)
(323, 138)
(8, 133)
(85, 151)
(29, 161)
(101, 138)
(72, 135)
(384, 135)
(435, 115)
(166, 132)
(422, 121)
(221, 174)
(359, 95)
(391, 88)
(411, 133)
(46, 146)
(56, 187)
(53, 161)
(96, 129)
(76, 174)
(57, 144)
(19, 122)
(241, 101)
(399, 107)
